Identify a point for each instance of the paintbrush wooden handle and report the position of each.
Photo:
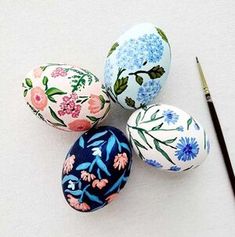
(221, 141)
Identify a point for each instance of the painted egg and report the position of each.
(96, 168)
(137, 66)
(167, 138)
(66, 97)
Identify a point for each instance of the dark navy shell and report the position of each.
(96, 168)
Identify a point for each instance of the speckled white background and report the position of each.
(199, 203)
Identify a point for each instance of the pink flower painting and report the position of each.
(38, 98)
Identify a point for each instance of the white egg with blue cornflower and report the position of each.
(137, 66)
(167, 138)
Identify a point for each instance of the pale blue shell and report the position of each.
(137, 66)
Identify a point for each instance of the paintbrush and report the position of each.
(217, 127)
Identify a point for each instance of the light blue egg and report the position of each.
(137, 66)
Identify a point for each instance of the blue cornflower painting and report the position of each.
(170, 116)
(148, 91)
(175, 168)
(187, 148)
(180, 129)
(153, 163)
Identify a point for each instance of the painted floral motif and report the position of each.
(148, 91)
(38, 98)
(80, 125)
(77, 205)
(136, 67)
(69, 106)
(135, 52)
(170, 117)
(68, 164)
(99, 183)
(71, 185)
(180, 128)
(111, 197)
(100, 169)
(37, 72)
(165, 134)
(153, 163)
(187, 148)
(59, 72)
(120, 161)
(96, 103)
(175, 168)
(87, 176)
(63, 96)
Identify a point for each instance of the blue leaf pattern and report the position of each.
(109, 146)
(83, 166)
(75, 192)
(124, 145)
(116, 185)
(69, 177)
(90, 179)
(102, 166)
(93, 197)
(96, 143)
(81, 142)
(97, 135)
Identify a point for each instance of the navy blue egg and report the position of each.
(96, 168)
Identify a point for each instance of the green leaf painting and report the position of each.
(130, 102)
(54, 91)
(189, 122)
(146, 137)
(139, 144)
(113, 48)
(153, 73)
(28, 82)
(45, 82)
(162, 34)
(138, 118)
(156, 72)
(120, 85)
(158, 148)
(53, 114)
(139, 79)
(25, 92)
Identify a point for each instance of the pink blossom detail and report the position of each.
(120, 161)
(68, 164)
(111, 197)
(87, 176)
(38, 98)
(79, 125)
(69, 106)
(73, 202)
(37, 72)
(99, 183)
(95, 104)
(59, 72)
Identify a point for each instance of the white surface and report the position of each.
(199, 203)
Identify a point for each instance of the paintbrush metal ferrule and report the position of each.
(203, 80)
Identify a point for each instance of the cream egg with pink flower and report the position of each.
(66, 97)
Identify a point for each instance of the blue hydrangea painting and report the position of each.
(137, 66)
(167, 138)
(96, 168)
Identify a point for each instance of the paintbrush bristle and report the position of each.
(197, 60)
